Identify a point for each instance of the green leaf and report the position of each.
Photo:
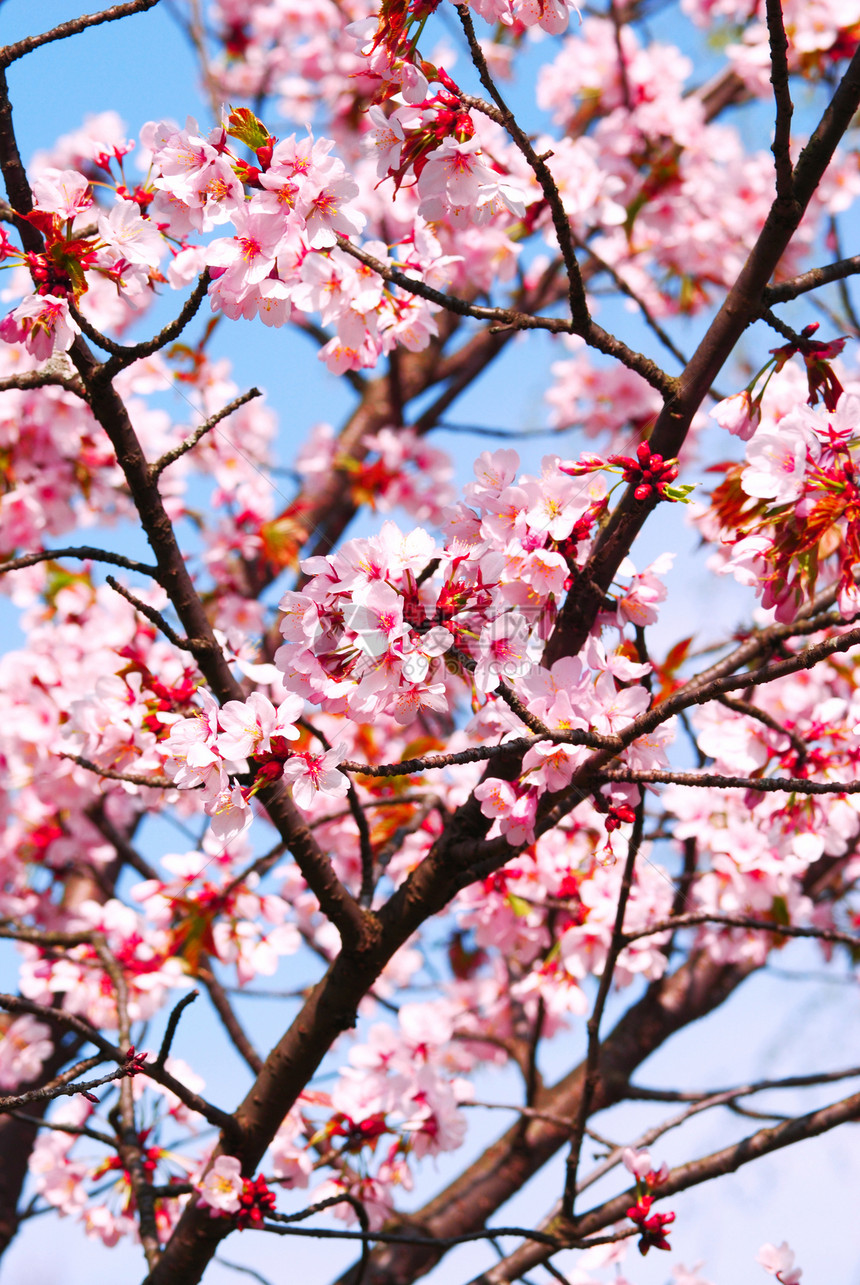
(681, 493)
(247, 128)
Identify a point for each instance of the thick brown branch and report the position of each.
(782, 98)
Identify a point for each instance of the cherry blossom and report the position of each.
(779, 1263)
(24, 1046)
(221, 1188)
(43, 324)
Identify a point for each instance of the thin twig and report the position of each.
(122, 355)
(403, 1238)
(480, 753)
(576, 290)
(681, 1178)
(713, 780)
(221, 1119)
(767, 720)
(176, 452)
(172, 1024)
(78, 1130)
(246, 1271)
(133, 778)
(83, 551)
(707, 686)
(50, 1092)
(509, 318)
(230, 1021)
(744, 921)
(628, 291)
(523, 713)
(592, 1059)
(742, 1090)
(156, 618)
(452, 303)
(842, 284)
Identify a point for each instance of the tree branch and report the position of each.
(176, 452)
(230, 1021)
(744, 921)
(576, 290)
(153, 616)
(693, 1174)
(58, 1090)
(616, 945)
(85, 552)
(782, 98)
(133, 778)
(44, 378)
(710, 780)
(811, 280)
(221, 1119)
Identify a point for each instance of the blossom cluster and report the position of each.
(789, 516)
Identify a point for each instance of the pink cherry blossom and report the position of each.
(65, 193)
(311, 775)
(131, 236)
(738, 415)
(777, 461)
(222, 1186)
(24, 1046)
(779, 1263)
(43, 324)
